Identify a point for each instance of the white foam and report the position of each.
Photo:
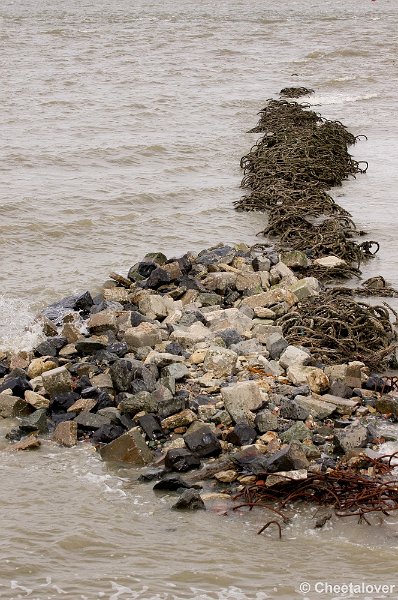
(19, 329)
(326, 99)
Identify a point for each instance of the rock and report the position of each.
(290, 458)
(163, 359)
(317, 408)
(16, 384)
(102, 322)
(155, 306)
(305, 288)
(167, 406)
(219, 281)
(248, 347)
(56, 381)
(270, 298)
(241, 399)
(294, 259)
(90, 345)
(85, 404)
(189, 500)
(293, 355)
(71, 333)
(107, 433)
(299, 431)
(188, 336)
(342, 406)
(330, 262)
(181, 460)
(131, 376)
(90, 421)
(201, 441)
(39, 366)
(262, 331)
(65, 434)
(145, 334)
(248, 281)
(132, 404)
(286, 476)
(353, 376)
(128, 448)
(151, 426)
(171, 483)
(276, 344)
(37, 421)
(385, 405)
(226, 476)
(29, 443)
(36, 400)
(241, 435)
(175, 370)
(291, 409)
(353, 436)
(314, 377)
(181, 419)
(220, 361)
(51, 346)
(11, 406)
(266, 420)
(340, 388)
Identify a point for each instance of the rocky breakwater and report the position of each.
(183, 364)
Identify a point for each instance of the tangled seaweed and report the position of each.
(288, 171)
(295, 92)
(336, 328)
(347, 490)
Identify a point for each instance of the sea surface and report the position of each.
(122, 124)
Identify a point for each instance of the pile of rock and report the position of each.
(182, 363)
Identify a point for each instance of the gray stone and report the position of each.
(57, 381)
(37, 421)
(128, 448)
(91, 421)
(290, 458)
(353, 436)
(219, 281)
(241, 399)
(189, 500)
(99, 323)
(247, 347)
(291, 409)
(132, 404)
(176, 370)
(295, 258)
(90, 345)
(306, 287)
(220, 361)
(276, 344)
(266, 421)
(317, 408)
(262, 331)
(342, 406)
(297, 432)
(188, 336)
(11, 406)
(293, 355)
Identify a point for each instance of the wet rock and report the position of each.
(171, 483)
(241, 435)
(91, 345)
(226, 476)
(17, 385)
(29, 443)
(51, 346)
(128, 448)
(135, 403)
(151, 426)
(65, 434)
(241, 399)
(56, 381)
(290, 458)
(286, 476)
(37, 421)
(201, 441)
(90, 421)
(220, 361)
(386, 405)
(12, 406)
(353, 436)
(107, 433)
(181, 460)
(189, 500)
(128, 374)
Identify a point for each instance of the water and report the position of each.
(122, 126)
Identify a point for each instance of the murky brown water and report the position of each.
(122, 125)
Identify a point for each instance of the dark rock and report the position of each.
(107, 432)
(230, 336)
(136, 318)
(250, 461)
(61, 417)
(135, 403)
(37, 421)
(151, 426)
(51, 346)
(125, 375)
(89, 346)
(175, 348)
(158, 277)
(202, 441)
(166, 407)
(104, 357)
(3, 369)
(62, 402)
(224, 254)
(387, 405)
(341, 423)
(377, 384)
(171, 483)
(104, 400)
(151, 474)
(181, 460)
(18, 385)
(290, 458)
(230, 297)
(129, 448)
(118, 348)
(81, 302)
(143, 268)
(302, 390)
(90, 421)
(266, 420)
(189, 500)
(242, 435)
(290, 409)
(191, 316)
(89, 392)
(341, 389)
(353, 436)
